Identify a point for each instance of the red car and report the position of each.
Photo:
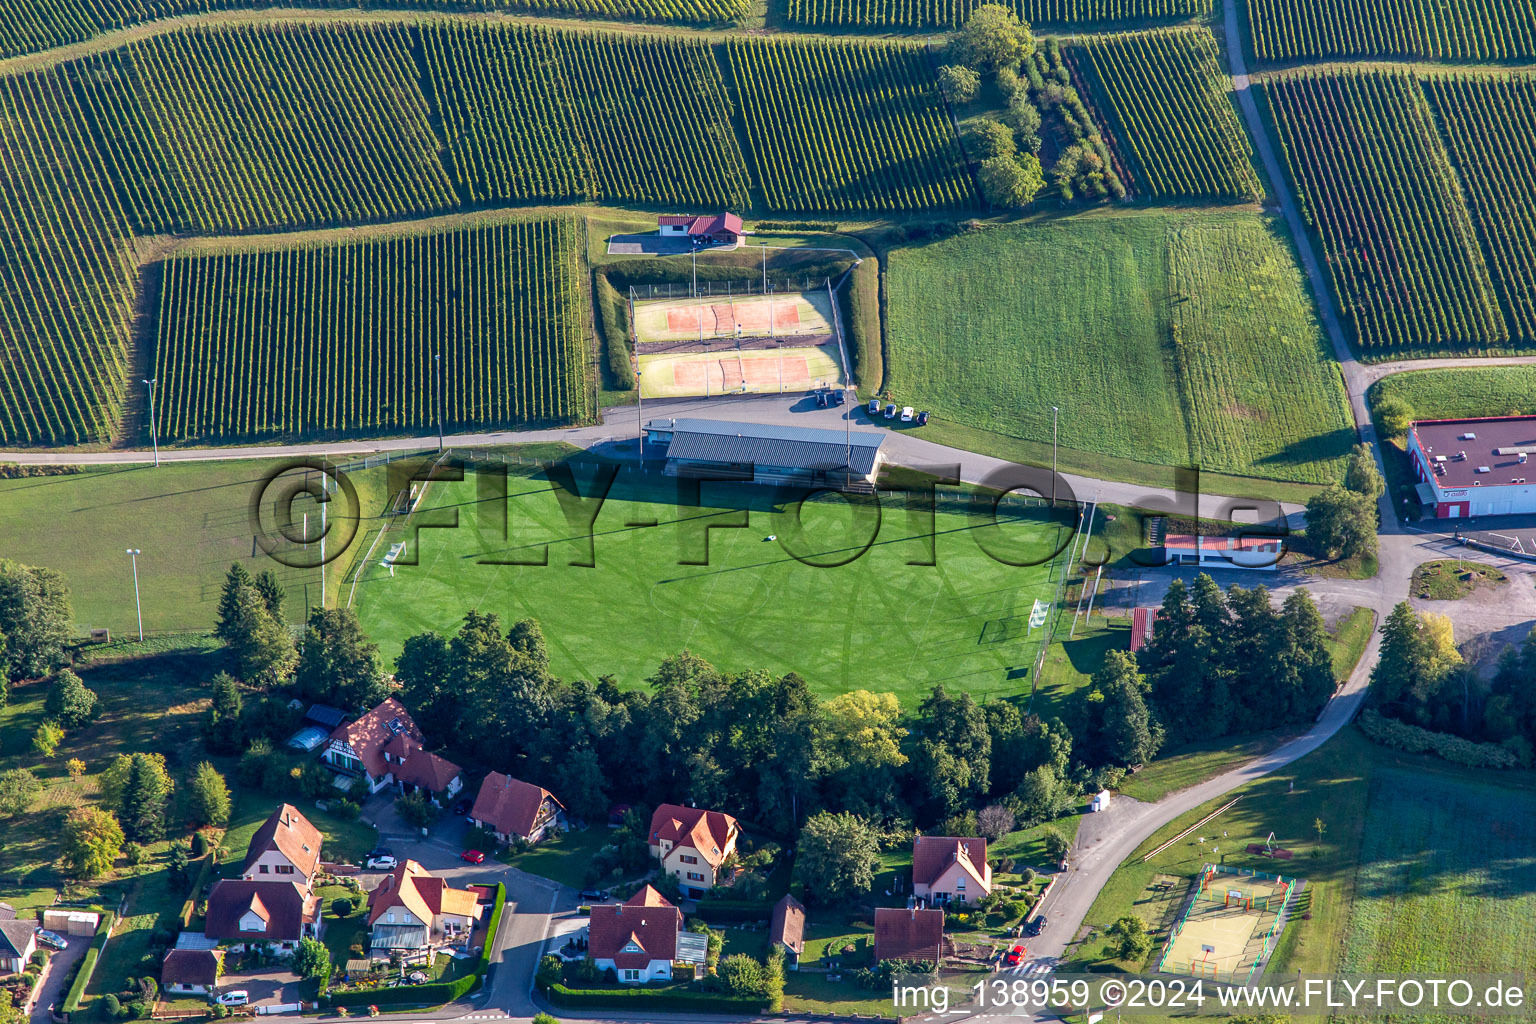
(1014, 955)
(473, 856)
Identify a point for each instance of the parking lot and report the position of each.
(270, 986)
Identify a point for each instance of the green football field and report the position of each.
(1175, 338)
(875, 622)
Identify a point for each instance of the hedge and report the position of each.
(732, 911)
(860, 300)
(613, 324)
(436, 992)
(641, 999)
(87, 965)
(1402, 736)
(189, 908)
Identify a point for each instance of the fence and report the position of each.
(1209, 874)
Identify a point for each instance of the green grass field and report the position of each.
(876, 623)
(1456, 394)
(1166, 337)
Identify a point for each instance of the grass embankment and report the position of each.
(876, 622)
(1451, 579)
(1169, 338)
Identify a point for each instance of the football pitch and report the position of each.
(826, 590)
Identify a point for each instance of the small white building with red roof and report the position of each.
(693, 844)
(703, 229)
(1223, 552)
(641, 938)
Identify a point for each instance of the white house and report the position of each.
(693, 844)
(513, 809)
(413, 910)
(192, 971)
(641, 938)
(18, 941)
(384, 747)
(285, 849)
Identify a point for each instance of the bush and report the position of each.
(549, 973)
(111, 1008)
(346, 810)
(658, 1000)
(1402, 736)
(734, 911)
(342, 906)
(199, 844)
(612, 311)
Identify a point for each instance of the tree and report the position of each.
(146, 791)
(958, 83)
(1125, 732)
(994, 821)
(1041, 795)
(223, 732)
(338, 664)
(207, 796)
(992, 38)
(261, 645)
(864, 728)
(1056, 845)
(1393, 416)
(176, 863)
(271, 590)
(743, 975)
(342, 906)
(69, 702)
(229, 628)
(1341, 523)
(1024, 118)
(415, 809)
(311, 959)
(47, 738)
(1133, 943)
(1011, 182)
(837, 857)
(36, 619)
(1361, 474)
(91, 838)
(1320, 828)
(76, 769)
(19, 790)
(989, 138)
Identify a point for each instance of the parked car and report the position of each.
(890, 411)
(462, 807)
(874, 406)
(822, 401)
(53, 939)
(839, 396)
(239, 997)
(594, 895)
(1036, 926)
(382, 862)
(1013, 956)
(922, 418)
(907, 415)
(473, 856)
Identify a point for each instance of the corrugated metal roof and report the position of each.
(398, 936)
(768, 444)
(324, 714)
(692, 948)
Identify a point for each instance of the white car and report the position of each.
(907, 414)
(239, 997)
(386, 862)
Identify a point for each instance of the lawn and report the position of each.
(344, 841)
(1421, 866)
(876, 622)
(1172, 338)
(1458, 394)
(189, 520)
(1071, 663)
(563, 858)
(1451, 579)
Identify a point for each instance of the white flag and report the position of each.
(1038, 613)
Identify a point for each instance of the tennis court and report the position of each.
(789, 314)
(730, 370)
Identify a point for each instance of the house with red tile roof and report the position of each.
(693, 844)
(716, 229)
(191, 971)
(413, 910)
(285, 849)
(385, 748)
(641, 938)
(513, 809)
(241, 913)
(950, 869)
(909, 934)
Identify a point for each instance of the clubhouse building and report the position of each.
(1474, 467)
(767, 453)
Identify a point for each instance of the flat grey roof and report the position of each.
(769, 444)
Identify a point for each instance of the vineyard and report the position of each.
(943, 14)
(1489, 126)
(66, 274)
(265, 127)
(1375, 182)
(1298, 30)
(1167, 101)
(845, 126)
(345, 339)
(29, 26)
(535, 113)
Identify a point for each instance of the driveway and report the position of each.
(650, 244)
(50, 990)
(270, 986)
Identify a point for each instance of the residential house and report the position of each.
(385, 748)
(191, 971)
(641, 938)
(787, 929)
(950, 869)
(18, 941)
(413, 910)
(711, 229)
(909, 934)
(693, 844)
(241, 913)
(285, 849)
(514, 809)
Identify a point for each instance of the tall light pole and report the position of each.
(153, 437)
(640, 414)
(1054, 414)
(437, 358)
(133, 553)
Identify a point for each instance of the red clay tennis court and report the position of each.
(728, 372)
(724, 317)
